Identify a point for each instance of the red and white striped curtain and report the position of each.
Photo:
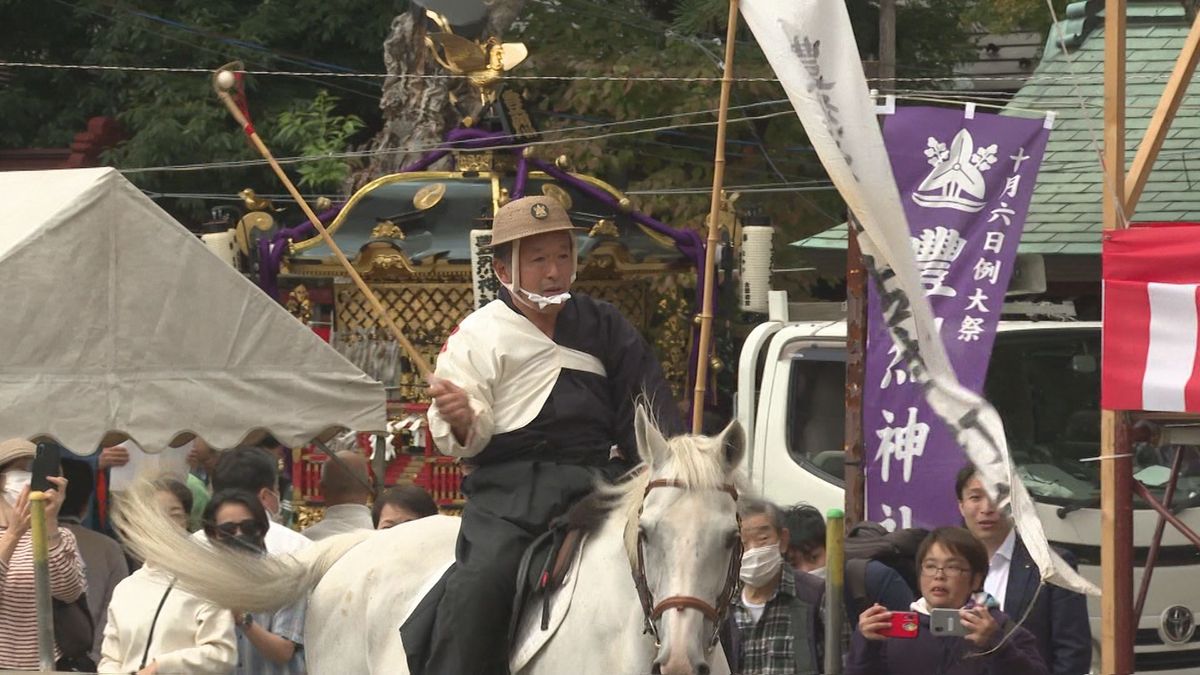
(1151, 325)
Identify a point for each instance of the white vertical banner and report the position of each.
(811, 47)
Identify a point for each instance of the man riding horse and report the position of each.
(536, 391)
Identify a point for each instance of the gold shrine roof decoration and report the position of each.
(421, 221)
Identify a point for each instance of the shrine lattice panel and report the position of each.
(659, 307)
(425, 312)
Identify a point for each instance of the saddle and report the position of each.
(544, 565)
(543, 569)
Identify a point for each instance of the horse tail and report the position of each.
(224, 577)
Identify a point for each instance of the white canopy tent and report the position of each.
(119, 323)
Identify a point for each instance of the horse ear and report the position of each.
(732, 444)
(652, 447)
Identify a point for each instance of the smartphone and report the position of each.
(46, 462)
(946, 623)
(904, 625)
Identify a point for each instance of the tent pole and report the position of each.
(714, 211)
(1116, 472)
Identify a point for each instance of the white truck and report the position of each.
(1044, 379)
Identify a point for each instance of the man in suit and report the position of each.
(1059, 618)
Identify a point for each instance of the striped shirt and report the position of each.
(18, 604)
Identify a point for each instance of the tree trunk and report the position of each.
(417, 111)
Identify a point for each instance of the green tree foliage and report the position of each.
(647, 38)
(1016, 15)
(174, 118)
(315, 129)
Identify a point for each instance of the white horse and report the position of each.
(645, 594)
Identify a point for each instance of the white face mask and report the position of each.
(541, 301)
(276, 514)
(760, 565)
(15, 480)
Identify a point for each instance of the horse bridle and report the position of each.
(651, 611)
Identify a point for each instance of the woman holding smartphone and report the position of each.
(983, 641)
(18, 602)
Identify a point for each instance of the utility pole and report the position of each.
(856, 305)
(887, 45)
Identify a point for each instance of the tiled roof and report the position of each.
(1065, 216)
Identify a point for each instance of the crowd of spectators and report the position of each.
(141, 622)
(994, 617)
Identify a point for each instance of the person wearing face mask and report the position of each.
(952, 565)
(18, 603)
(269, 643)
(254, 470)
(154, 627)
(774, 626)
(536, 392)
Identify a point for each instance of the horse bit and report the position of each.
(716, 614)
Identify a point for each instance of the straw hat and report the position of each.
(16, 448)
(528, 216)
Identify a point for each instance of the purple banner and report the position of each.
(965, 185)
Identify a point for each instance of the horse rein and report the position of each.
(716, 614)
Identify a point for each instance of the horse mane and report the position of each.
(695, 461)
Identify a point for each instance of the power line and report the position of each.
(283, 198)
(377, 153)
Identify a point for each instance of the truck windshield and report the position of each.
(1046, 386)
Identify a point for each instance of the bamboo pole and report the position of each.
(221, 86)
(1116, 471)
(710, 249)
(835, 566)
(1164, 114)
(41, 580)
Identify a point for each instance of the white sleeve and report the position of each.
(468, 363)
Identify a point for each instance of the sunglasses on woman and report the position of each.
(249, 528)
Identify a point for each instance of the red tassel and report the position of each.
(240, 99)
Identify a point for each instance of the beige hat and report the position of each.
(16, 448)
(528, 216)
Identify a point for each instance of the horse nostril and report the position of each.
(656, 670)
(703, 669)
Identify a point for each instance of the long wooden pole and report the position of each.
(221, 86)
(1164, 114)
(1116, 470)
(710, 250)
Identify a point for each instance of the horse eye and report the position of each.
(732, 538)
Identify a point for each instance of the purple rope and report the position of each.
(270, 252)
(522, 176)
(471, 138)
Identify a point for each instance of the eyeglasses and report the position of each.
(930, 569)
(247, 527)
